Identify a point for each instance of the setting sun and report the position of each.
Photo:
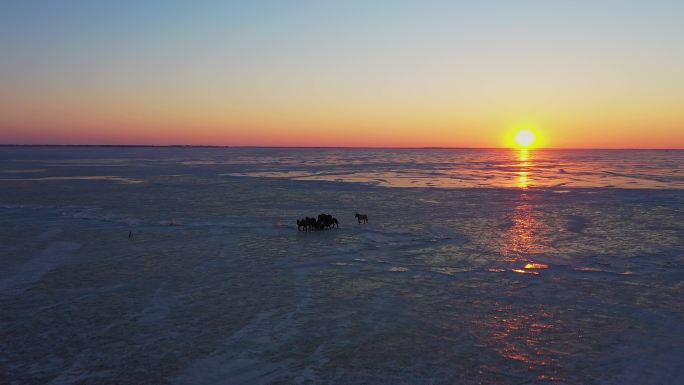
(524, 138)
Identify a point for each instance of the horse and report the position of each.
(326, 220)
(362, 218)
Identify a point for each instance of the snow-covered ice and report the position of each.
(477, 266)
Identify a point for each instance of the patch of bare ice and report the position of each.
(33, 270)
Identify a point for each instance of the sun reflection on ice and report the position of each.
(523, 172)
(522, 271)
(521, 332)
(520, 239)
(536, 266)
(526, 337)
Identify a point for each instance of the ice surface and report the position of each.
(529, 284)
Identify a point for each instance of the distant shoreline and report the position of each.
(334, 147)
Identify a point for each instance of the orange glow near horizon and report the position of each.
(166, 121)
(17, 127)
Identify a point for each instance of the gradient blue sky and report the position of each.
(370, 73)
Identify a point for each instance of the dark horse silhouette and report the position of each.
(362, 218)
(328, 220)
(324, 221)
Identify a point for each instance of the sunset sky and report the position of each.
(588, 74)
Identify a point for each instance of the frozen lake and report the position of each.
(476, 267)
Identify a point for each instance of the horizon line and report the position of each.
(334, 147)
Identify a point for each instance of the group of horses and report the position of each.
(324, 221)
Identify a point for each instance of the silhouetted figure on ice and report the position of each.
(362, 218)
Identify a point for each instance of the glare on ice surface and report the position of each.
(465, 277)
